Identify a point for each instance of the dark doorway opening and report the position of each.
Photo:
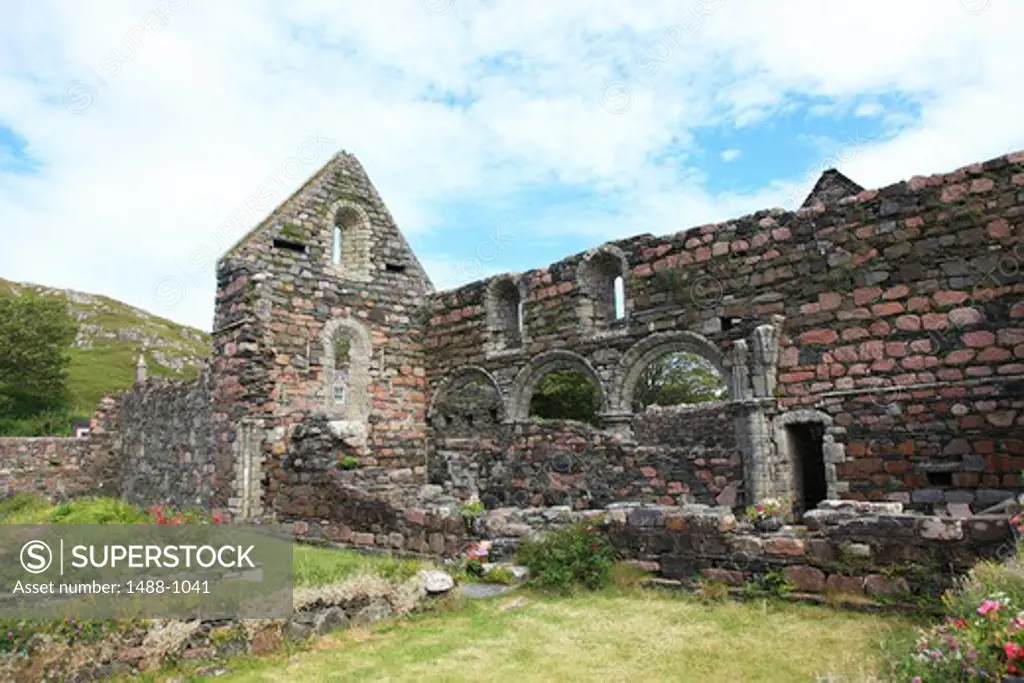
(805, 442)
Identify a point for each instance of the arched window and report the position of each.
(350, 237)
(601, 277)
(347, 358)
(505, 314)
(619, 289)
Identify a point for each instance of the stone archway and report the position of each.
(788, 470)
(649, 349)
(471, 374)
(530, 375)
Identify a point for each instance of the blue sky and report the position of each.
(132, 132)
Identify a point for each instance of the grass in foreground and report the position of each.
(609, 636)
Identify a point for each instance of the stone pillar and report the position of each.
(620, 423)
(754, 441)
(140, 370)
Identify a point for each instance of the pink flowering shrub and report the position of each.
(986, 646)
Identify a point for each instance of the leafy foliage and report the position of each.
(566, 395)
(677, 378)
(35, 333)
(569, 558)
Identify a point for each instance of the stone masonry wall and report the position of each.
(899, 315)
(168, 444)
(681, 455)
(875, 551)
(55, 468)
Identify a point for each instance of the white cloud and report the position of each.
(207, 108)
(868, 109)
(730, 155)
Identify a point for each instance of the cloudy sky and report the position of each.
(132, 133)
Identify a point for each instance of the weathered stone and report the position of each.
(436, 581)
(877, 585)
(805, 579)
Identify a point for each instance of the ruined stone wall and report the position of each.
(285, 305)
(167, 442)
(55, 468)
(681, 454)
(859, 550)
(899, 320)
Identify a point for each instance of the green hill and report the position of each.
(111, 334)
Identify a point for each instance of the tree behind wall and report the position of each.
(678, 378)
(35, 334)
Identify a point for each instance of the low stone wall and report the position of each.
(55, 468)
(860, 549)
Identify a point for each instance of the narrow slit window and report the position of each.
(521, 325)
(619, 287)
(336, 247)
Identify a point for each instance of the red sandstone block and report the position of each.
(895, 349)
(919, 304)
(1011, 369)
(999, 228)
(994, 354)
(726, 576)
(914, 222)
(805, 579)
(838, 583)
(784, 545)
(854, 333)
(878, 585)
(819, 337)
(829, 301)
(863, 257)
(866, 294)
(790, 377)
(979, 339)
(949, 297)
(960, 356)
(982, 185)
(897, 292)
(1018, 179)
(719, 248)
(884, 365)
(781, 234)
(891, 308)
(908, 323)
(880, 328)
(953, 193)
(1010, 336)
(809, 309)
(913, 363)
(871, 350)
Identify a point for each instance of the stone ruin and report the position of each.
(872, 343)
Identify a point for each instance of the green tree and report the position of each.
(566, 395)
(677, 378)
(35, 335)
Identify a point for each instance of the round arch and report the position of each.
(353, 222)
(358, 405)
(530, 375)
(654, 346)
(464, 373)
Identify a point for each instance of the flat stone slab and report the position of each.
(480, 591)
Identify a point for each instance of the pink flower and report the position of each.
(1013, 650)
(988, 606)
(916, 679)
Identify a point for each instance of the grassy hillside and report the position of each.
(111, 334)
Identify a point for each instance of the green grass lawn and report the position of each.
(617, 635)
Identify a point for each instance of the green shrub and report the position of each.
(471, 511)
(569, 558)
(349, 462)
